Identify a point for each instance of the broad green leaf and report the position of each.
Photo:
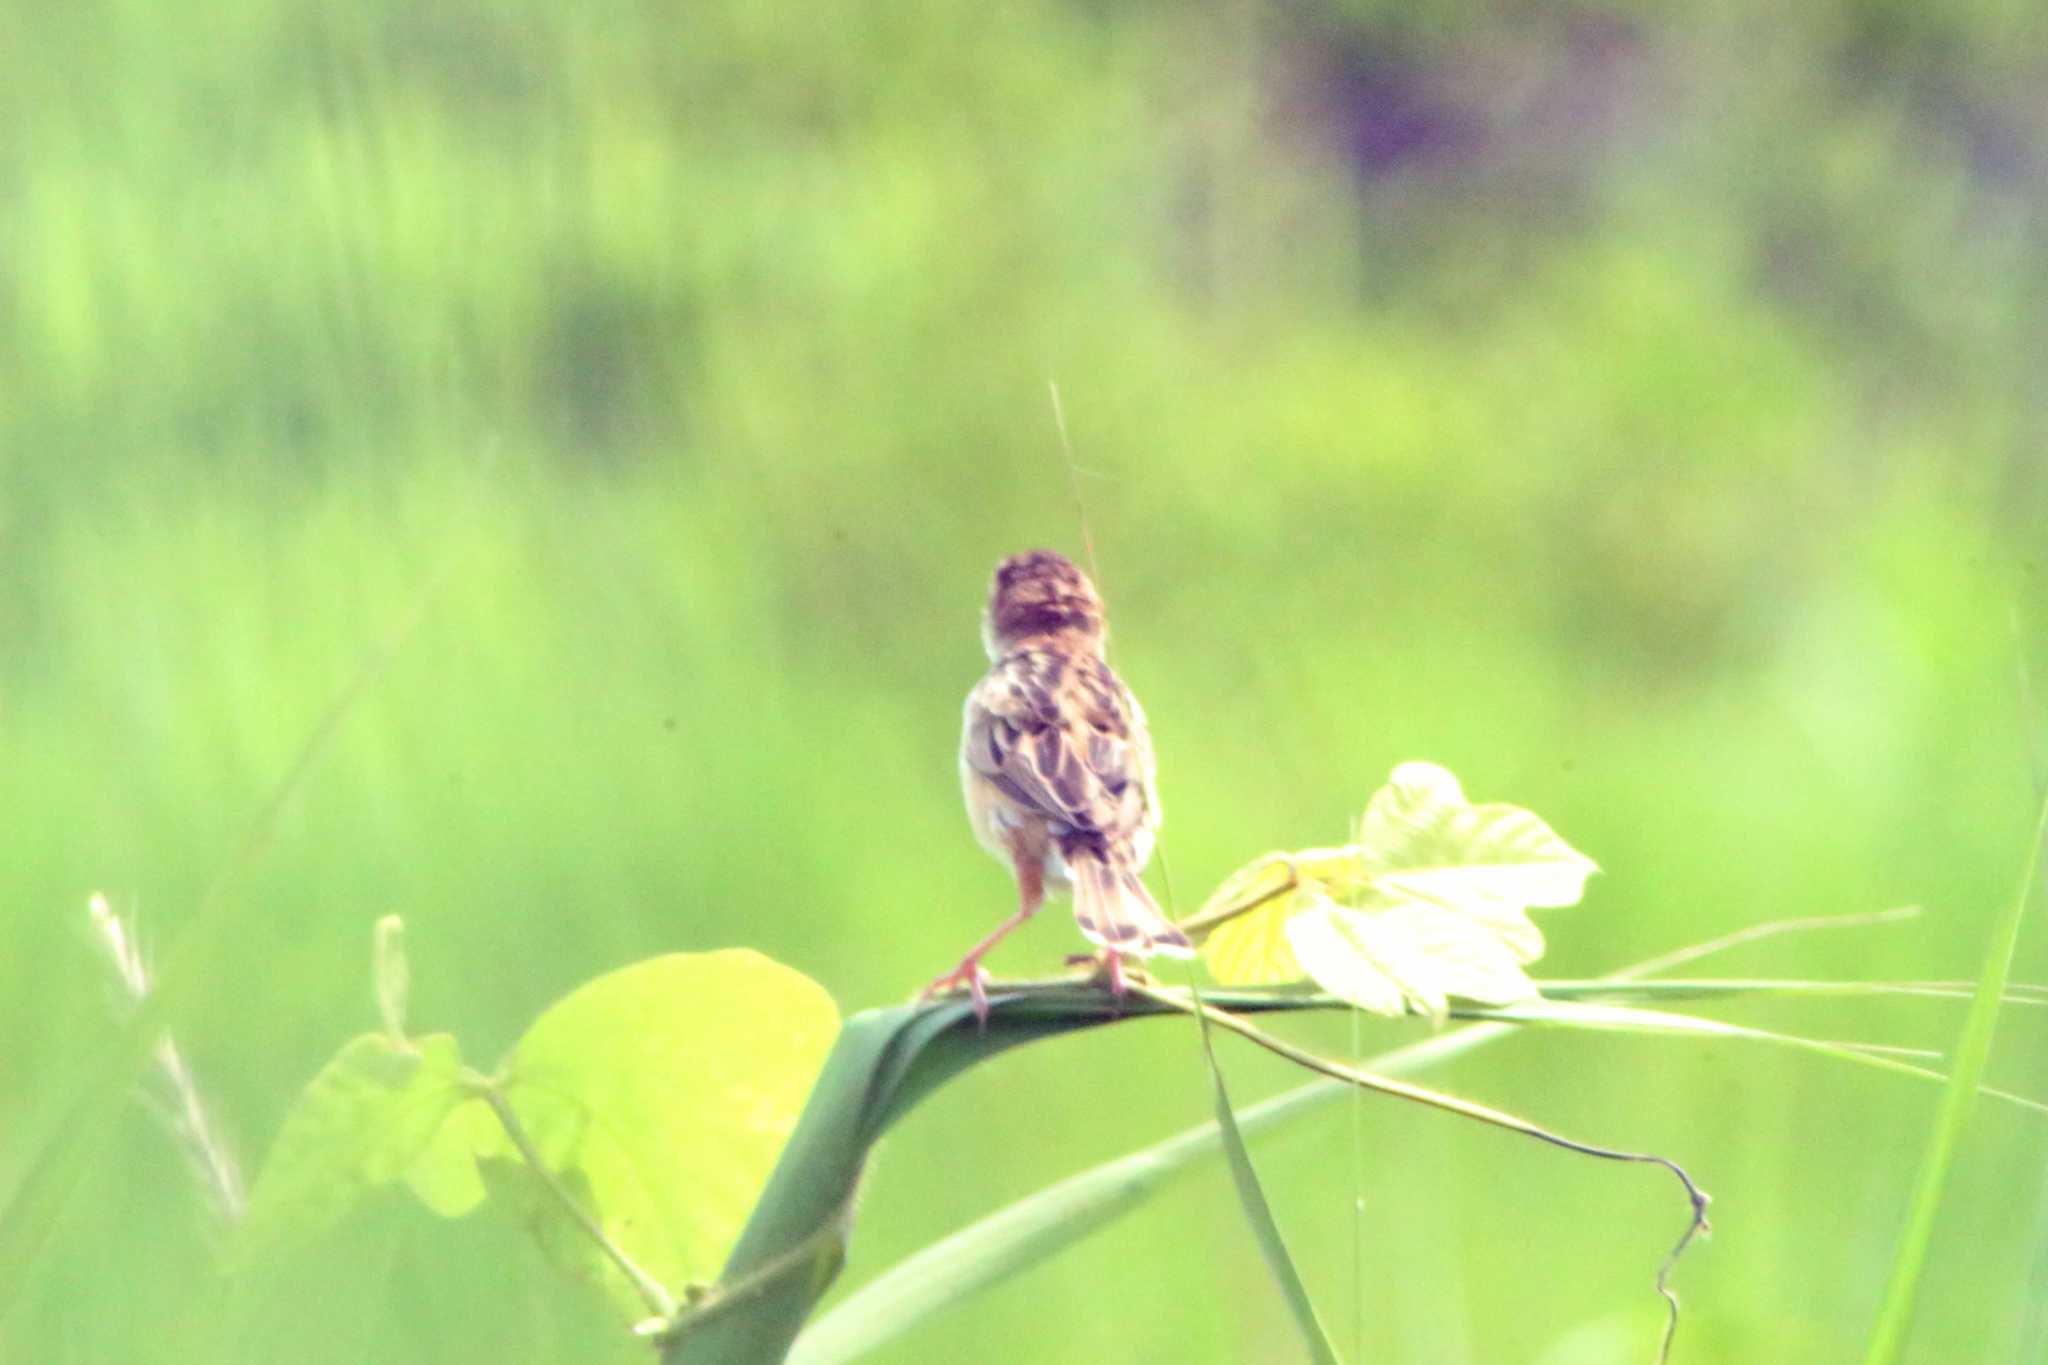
(358, 1125)
(662, 1093)
(1006, 1243)
(946, 1273)
(886, 1060)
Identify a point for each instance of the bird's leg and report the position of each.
(1109, 970)
(1113, 964)
(1030, 895)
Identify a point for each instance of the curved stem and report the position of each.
(657, 1298)
(1466, 1109)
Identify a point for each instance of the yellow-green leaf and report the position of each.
(662, 1093)
(358, 1125)
(1261, 880)
(1247, 888)
(1251, 949)
(444, 1175)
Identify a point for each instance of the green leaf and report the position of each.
(948, 1272)
(444, 1176)
(1035, 1228)
(886, 1060)
(359, 1125)
(661, 1095)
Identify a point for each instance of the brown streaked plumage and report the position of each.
(1056, 767)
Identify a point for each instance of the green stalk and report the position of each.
(1258, 1212)
(1973, 1050)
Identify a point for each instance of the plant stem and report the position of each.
(657, 1298)
(1466, 1109)
(830, 1234)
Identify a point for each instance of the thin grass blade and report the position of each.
(1714, 988)
(952, 1270)
(32, 1209)
(1259, 1214)
(1011, 1240)
(1633, 1019)
(885, 1061)
(1973, 1050)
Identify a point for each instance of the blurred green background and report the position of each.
(1638, 412)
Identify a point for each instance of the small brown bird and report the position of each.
(1056, 765)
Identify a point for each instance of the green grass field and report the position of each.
(1644, 425)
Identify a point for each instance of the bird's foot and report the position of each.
(971, 974)
(1111, 969)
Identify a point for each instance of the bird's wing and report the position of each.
(1053, 732)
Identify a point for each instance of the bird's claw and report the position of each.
(971, 974)
(1111, 970)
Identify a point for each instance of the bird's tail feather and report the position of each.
(1115, 910)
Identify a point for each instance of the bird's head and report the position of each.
(1041, 595)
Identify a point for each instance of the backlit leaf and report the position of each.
(1399, 954)
(1253, 948)
(444, 1175)
(357, 1126)
(1431, 903)
(1420, 835)
(1342, 963)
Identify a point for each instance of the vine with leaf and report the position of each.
(699, 1170)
